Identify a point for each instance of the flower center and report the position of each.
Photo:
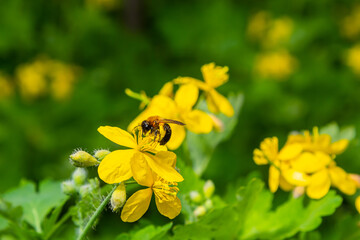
(165, 191)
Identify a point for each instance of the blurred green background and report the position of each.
(64, 66)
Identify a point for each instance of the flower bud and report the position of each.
(209, 188)
(218, 124)
(199, 211)
(68, 187)
(79, 176)
(83, 159)
(208, 204)
(195, 196)
(298, 191)
(85, 190)
(118, 198)
(100, 154)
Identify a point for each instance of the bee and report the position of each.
(154, 123)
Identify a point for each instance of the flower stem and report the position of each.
(96, 214)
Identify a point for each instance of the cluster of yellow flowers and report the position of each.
(179, 106)
(146, 161)
(272, 34)
(306, 163)
(45, 75)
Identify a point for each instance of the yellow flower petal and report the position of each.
(177, 136)
(118, 136)
(222, 103)
(198, 121)
(168, 158)
(274, 178)
(167, 89)
(284, 185)
(290, 151)
(270, 148)
(189, 80)
(186, 96)
(357, 204)
(141, 171)
(214, 75)
(136, 206)
(310, 163)
(339, 146)
(169, 209)
(259, 157)
(295, 177)
(162, 169)
(212, 106)
(319, 184)
(115, 167)
(342, 180)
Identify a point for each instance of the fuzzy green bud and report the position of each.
(100, 154)
(209, 188)
(208, 204)
(195, 196)
(68, 187)
(79, 176)
(118, 198)
(83, 159)
(85, 190)
(199, 211)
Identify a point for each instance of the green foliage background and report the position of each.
(143, 44)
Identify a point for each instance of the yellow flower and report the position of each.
(31, 80)
(351, 23)
(280, 170)
(318, 142)
(6, 88)
(353, 59)
(166, 200)
(277, 65)
(142, 156)
(357, 204)
(178, 109)
(258, 25)
(214, 77)
(279, 32)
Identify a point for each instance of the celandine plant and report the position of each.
(127, 178)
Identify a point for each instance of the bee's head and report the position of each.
(145, 125)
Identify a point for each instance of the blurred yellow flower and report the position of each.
(180, 109)
(305, 161)
(144, 155)
(271, 33)
(166, 200)
(277, 65)
(350, 25)
(35, 78)
(279, 32)
(258, 25)
(214, 77)
(357, 204)
(353, 59)
(6, 87)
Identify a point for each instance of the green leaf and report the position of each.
(36, 204)
(252, 216)
(202, 146)
(289, 218)
(149, 232)
(3, 223)
(348, 132)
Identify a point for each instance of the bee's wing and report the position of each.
(164, 120)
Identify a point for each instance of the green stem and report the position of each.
(57, 225)
(96, 214)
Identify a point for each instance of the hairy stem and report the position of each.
(96, 214)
